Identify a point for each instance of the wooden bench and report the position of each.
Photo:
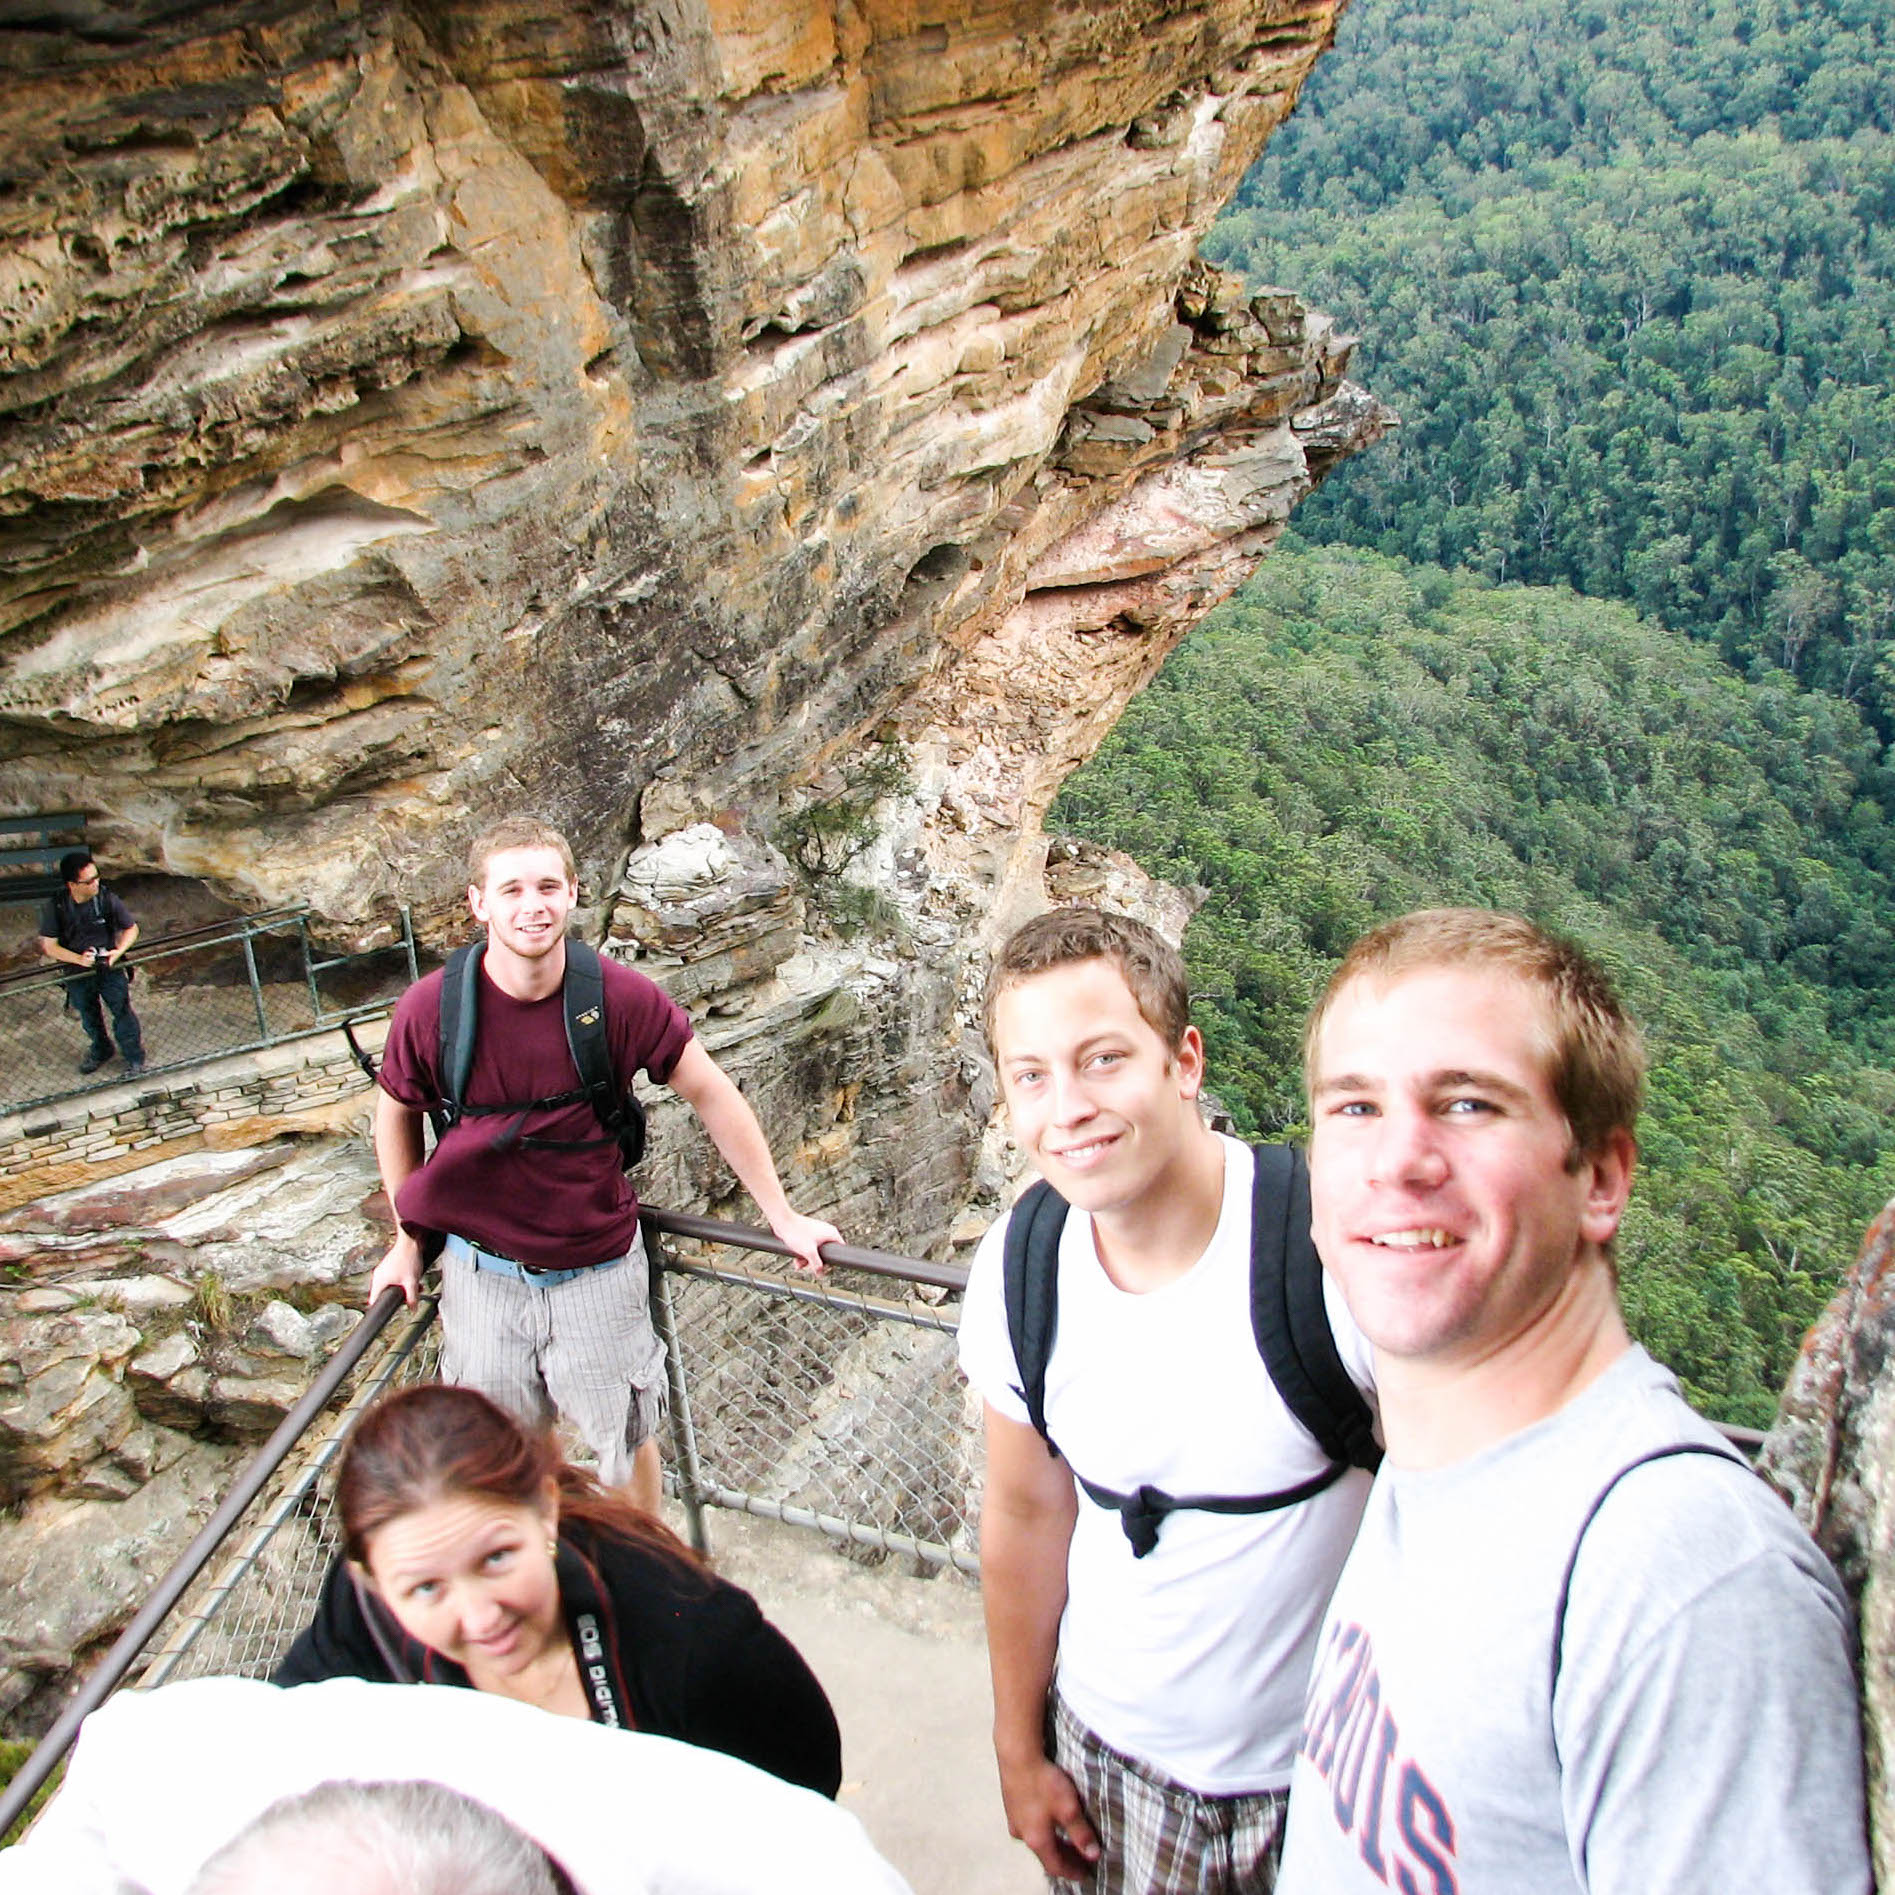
(30, 848)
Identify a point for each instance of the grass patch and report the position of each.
(13, 1755)
(214, 1305)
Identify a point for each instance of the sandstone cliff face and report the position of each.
(807, 420)
(770, 441)
(1830, 1454)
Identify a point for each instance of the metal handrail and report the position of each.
(171, 1588)
(885, 1263)
(131, 1643)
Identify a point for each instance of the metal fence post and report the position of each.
(683, 1435)
(256, 987)
(309, 971)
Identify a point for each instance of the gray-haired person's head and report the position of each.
(346, 1838)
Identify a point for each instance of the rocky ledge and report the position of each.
(1829, 1455)
(153, 1328)
(806, 423)
(771, 442)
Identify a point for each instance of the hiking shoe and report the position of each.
(133, 1067)
(93, 1061)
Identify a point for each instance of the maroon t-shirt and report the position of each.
(556, 1210)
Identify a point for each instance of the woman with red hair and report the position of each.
(475, 1555)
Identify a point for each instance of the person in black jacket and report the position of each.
(89, 928)
(474, 1555)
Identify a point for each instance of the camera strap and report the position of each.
(591, 1625)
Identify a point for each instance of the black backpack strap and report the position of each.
(1141, 1514)
(1290, 1318)
(460, 1021)
(614, 1105)
(1031, 1281)
(1287, 1313)
(68, 919)
(583, 1000)
(363, 1059)
(1579, 1539)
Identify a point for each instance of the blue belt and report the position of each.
(506, 1266)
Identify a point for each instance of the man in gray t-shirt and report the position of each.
(1577, 1646)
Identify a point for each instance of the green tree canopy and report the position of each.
(1628, 273)
(1355, 736)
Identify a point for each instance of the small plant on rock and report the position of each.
(825, 836)
(214, 1307)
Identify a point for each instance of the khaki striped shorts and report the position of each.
(584, 1349)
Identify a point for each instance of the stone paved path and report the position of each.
(905, 1663)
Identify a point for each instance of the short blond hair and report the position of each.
(1595, 1053)
(515, 832)
(1149, 965)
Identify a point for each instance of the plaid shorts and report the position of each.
(584, 1347)
(1155, 1836)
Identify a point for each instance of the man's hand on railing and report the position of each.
(400, 1269)
(806, 1236)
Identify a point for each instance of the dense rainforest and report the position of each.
(1627, 270)
(1356, 736)
(1627, 274)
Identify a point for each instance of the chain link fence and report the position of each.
(219, 991)
(830, 1403)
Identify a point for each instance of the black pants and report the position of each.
(92, 994)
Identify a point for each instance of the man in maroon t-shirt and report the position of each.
(544, 1285)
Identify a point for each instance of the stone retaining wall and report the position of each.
(124, 1124)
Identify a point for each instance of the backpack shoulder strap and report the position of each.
(69, 911)
(460, 1021)
(1291, 1319)
(583, 994)
(613, 1103)
(1031, 1277)
(1579, 1540)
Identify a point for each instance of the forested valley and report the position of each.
(1627, 274)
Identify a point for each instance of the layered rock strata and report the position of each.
(1829, 1455)
(657, 417)
(153, 1328)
